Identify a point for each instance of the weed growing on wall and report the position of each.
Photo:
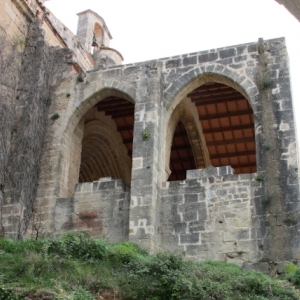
(146, 135)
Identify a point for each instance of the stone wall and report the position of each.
(13, 22)
(101, 207)
(157, 88)
(212, 215)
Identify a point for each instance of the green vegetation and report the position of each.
(79, 267)
(146, 134)
(55, 116)
(267, 199)
(267, 146)
(293, 274)
(265, 83)
(260, 177)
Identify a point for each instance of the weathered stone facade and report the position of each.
(213, 213)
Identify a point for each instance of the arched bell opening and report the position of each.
(98, 32)
(107, 141)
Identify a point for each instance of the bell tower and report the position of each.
(95, 37)
(92, 28)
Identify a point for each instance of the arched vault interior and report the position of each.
(227, 124)
(107, 141)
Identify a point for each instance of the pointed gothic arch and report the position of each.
(226, 121)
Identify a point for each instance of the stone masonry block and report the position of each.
(207, 57)
(190, 198)
(189, 238)
(107, 185)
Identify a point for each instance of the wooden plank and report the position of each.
(226, 114)
(229, 128)
(125, 128)
(213, 92)
(215, 100)
(234, 154)
(122, 113)
(115, 106)
(233, 141)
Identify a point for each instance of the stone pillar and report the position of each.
(145, 188)
(279, 207)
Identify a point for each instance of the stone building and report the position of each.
(193, 153)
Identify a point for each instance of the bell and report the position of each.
(94, 44)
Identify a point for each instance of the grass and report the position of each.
(79, 267)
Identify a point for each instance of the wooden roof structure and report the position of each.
(228, 126)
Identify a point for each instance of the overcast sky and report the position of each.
(144, 29)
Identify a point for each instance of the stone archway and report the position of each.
(65, 151)
(104, 137)
(186, 114)
(226, 117)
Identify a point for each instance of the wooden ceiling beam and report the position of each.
(229, 128)
(115, 106)
(182, 159)
(212, 93)
(226, 114)
(210, 87)
(125, 128)
(233, 141)
(181, 147)
(216, 143)
(111, 98)
(121, 113)
(234, 154)
(214, 100)
(219, 129)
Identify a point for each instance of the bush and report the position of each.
(82, 294)
(126, 252)
(8, 295)
(293, 274)
(79, 246)
(77, 266)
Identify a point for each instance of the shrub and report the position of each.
(126, 252)
(8, 295)
(82, 294)
(79, 246)
(77, 266)
(293, 274)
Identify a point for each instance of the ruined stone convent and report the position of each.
(193, 153)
